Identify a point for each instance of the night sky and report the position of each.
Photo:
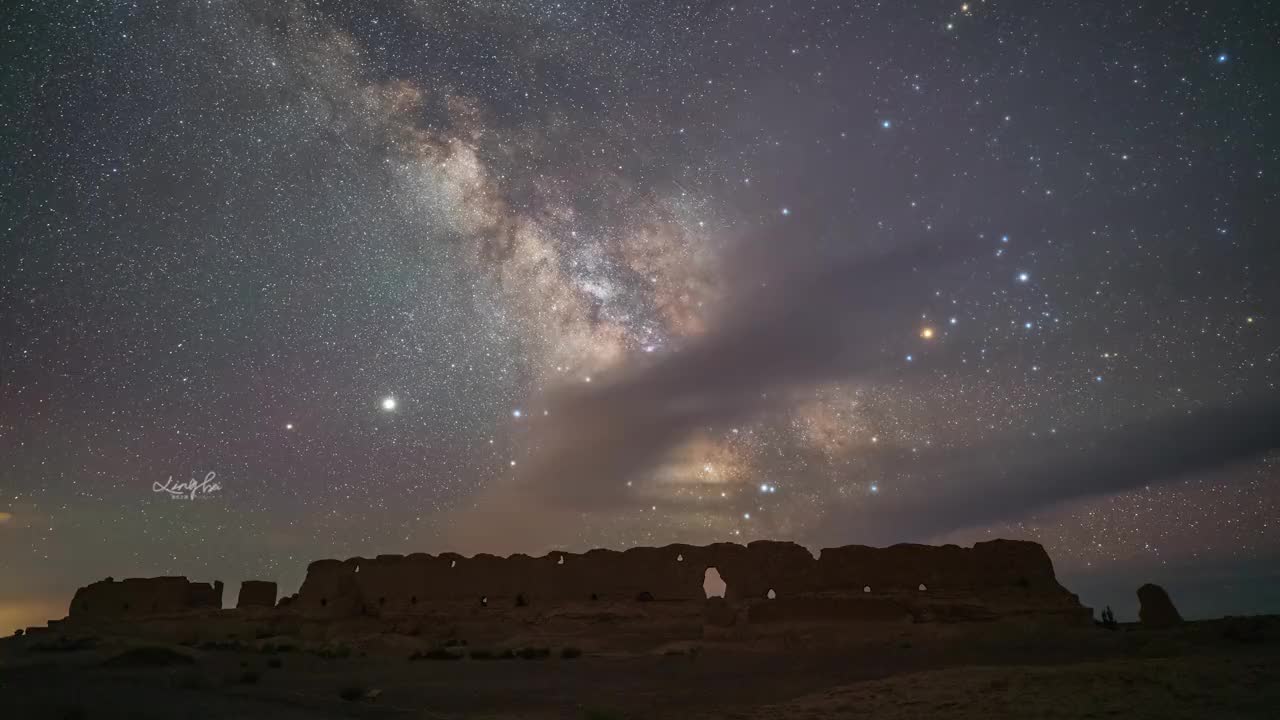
(513, 276)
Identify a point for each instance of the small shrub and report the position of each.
(331, 652)
(351, 693)
(1108, 618)
(249, 677)
(570, 653)
(19, 632)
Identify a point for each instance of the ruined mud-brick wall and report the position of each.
(256, 593)
(144, 596)
(420, 583)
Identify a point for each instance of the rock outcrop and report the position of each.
(1155, 609)
(144, 596)
(257, 593)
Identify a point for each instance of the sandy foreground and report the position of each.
(1244, 686)
(1215, 669)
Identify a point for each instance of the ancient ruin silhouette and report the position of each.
(144, 596)
(257, 593)
(769, 580)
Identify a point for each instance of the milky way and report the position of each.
(352, 257)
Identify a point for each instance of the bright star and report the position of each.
(1023, 277)
(1222, 58)
(388, 403)
(288, 426)
(516, 413)
(786, 211)
(927, 333)
(886, 124)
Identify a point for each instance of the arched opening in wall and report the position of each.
(382, 601)
(357, 568)
(484, 601)
(561, 560)
(680, 558)
(413, 600)
(324, 601)
(521, 600)
(712, 584)
(453, 564)
(922, 587)
(771, 594)
(866, 588)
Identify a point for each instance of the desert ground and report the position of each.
(1226, 668)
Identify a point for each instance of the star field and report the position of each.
(346, 255)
